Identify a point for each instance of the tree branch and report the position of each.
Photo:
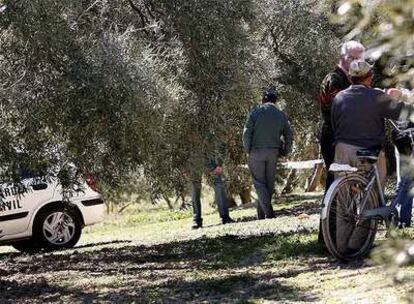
(277, 51)
(144, 20)
(149, 10)
(85, 11)
(154, 9)
(13, 84)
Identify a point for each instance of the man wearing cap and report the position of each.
(358, 115)
(266, 135)
(358, 122)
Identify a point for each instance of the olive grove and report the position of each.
(140, 92)
(133, 89)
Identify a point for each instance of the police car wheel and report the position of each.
(57, 228)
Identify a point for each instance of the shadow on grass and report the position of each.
(230, 289)
(12, 291)
(220, 289)
(308, 208)
(226, 251)
(172, 272)
(89, 245)
(296, 197)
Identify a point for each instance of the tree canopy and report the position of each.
(147, 88)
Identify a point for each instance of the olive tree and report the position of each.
(119, 87)
(78, 85)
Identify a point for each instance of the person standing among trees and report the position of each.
(332, 84)
(262, 140)
(214, 166)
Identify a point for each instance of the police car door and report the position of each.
(14, 216)
(17, 204)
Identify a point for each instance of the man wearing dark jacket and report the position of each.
(266, 135)
(332, 84)
(358, 121)
(358, 115)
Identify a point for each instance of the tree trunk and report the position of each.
(184, 205)
(289, 182)
(315, 179)
(231, 202)
(167, 199)
(245, 195)
(123, 207)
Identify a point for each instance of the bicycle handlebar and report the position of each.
(408, 130)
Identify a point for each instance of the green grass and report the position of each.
(152, 256)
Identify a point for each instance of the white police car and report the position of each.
(33, 216)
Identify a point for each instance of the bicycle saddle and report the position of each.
(342, 168)
(371, 154)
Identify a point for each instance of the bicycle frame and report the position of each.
(373, 180)
(360, 196)
(383, 210)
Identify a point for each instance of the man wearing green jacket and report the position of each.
(214, 171)
(266, 135)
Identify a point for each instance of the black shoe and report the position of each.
(227, 220)
(197, 224)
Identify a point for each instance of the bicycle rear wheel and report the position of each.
(346, 236)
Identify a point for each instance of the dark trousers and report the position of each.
(328, 155)
(262, 166)
(405, 200)
(219, 195)
(403, 195)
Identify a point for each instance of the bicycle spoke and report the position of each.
(348, 234)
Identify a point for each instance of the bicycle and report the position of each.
(355, 204)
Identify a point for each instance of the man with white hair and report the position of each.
(332, 84)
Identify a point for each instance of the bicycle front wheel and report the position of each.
(346, 235)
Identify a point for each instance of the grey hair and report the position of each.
(351, 45)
